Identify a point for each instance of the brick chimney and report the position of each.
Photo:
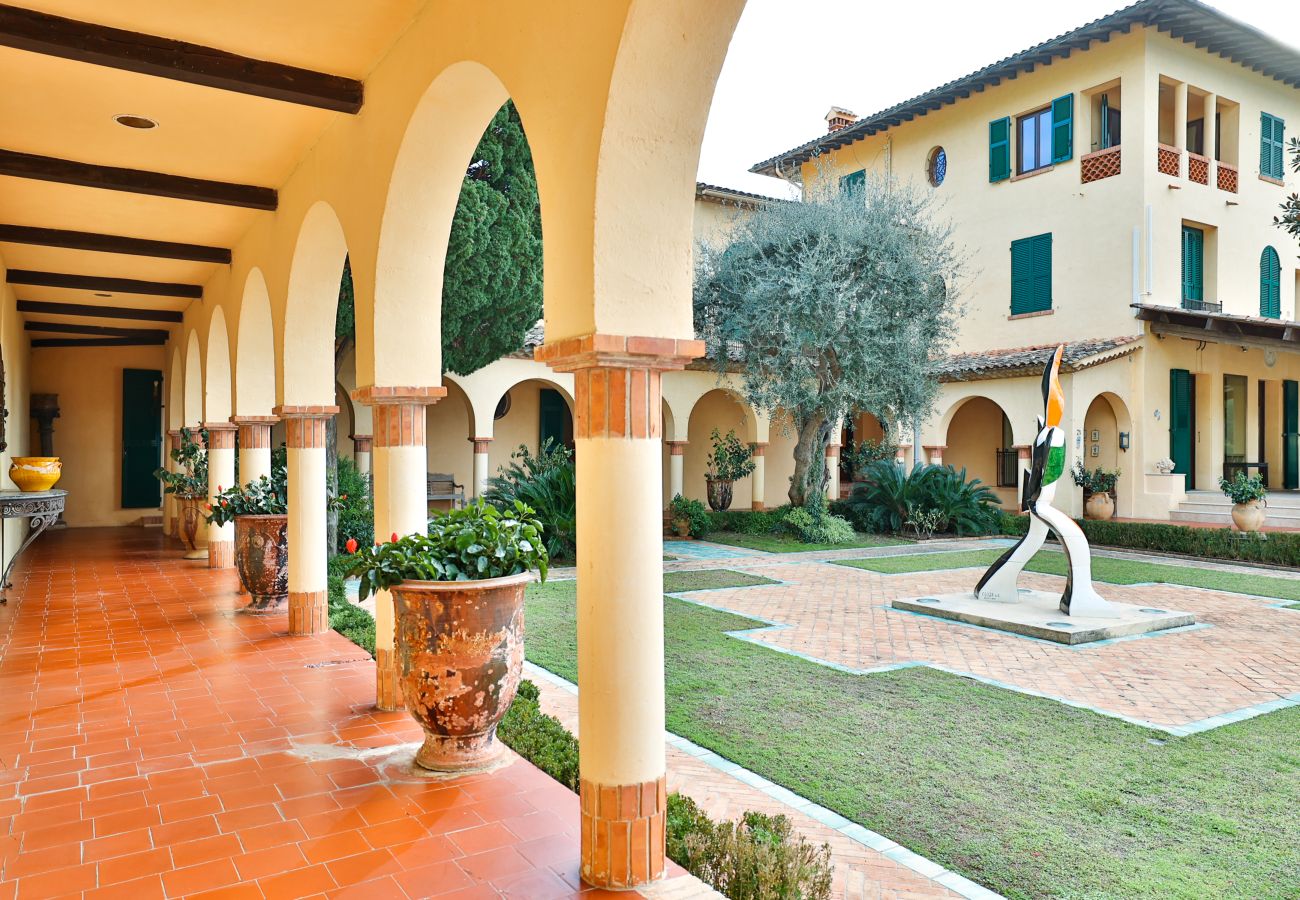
(839, 118)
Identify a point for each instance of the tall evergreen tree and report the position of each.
(492, 282)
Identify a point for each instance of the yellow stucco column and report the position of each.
(481, 445)
(221, 475)
(833, 471)
(758, 480)
(1180, 125)
(254, 446)
(305, 433)
(934, 453)
(620, 604)
(171, 508)
(676, 461)
(399, 467)
(362, 452)
(1211, 109)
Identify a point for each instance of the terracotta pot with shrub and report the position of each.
(730, 461)
(189, 485)
(688, 518)
(458, 595)
(1098, 490)
(259, 510)
(1248, 496)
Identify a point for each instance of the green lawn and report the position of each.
(1114, 571)
(676, 582)
(1024, 795)
(780, 543)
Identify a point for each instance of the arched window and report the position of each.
(1270, 284)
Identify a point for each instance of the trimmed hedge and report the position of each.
(351, 621)
(1278, 548)
(540, 738)
(747, 521)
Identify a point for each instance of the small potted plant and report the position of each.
(189, 486)
(458, 595)
(1098, 490)
(260, 512)
(1247, 493)
(730, 461)
(688, 518)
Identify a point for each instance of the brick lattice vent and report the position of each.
(1099, 165)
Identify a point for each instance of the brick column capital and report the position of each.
(933, 447)
(361, 443)
(221, 435)
(618, 351)
(758, 448)
(677, 448)
(832, 451)
(480, 444)
(393, 395)
(305, 425)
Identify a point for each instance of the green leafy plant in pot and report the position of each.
(260, 511)
(458, 596)
(1098, 490)
(1247, 493)
(189, 485)
(730, 461)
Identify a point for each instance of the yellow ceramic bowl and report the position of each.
(35, 473)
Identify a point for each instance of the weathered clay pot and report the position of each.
(460, 648)
(719, 493)
(1099, 506)
(682, 527)
(191, 519)
(262, 560)
(1248, 517)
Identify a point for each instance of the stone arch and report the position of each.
(724, 409)
(255, 349)
(307, 352)
(423, 191)
(193, 381)
(1108, 415)
(216, 377)
(975, 429)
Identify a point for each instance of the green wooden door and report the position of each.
(141, 437)
(1291, 435)
(1181, 431)
(1193, 267)
(553, 413)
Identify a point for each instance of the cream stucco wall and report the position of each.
(88, 432)
(15, 350)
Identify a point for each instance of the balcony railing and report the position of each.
(1227, 178)
(1202, 306)
(1198, 168)
(1099, 164)
(1169, 160)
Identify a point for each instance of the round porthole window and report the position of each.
(936, 167)
(503, 407)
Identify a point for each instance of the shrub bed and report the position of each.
(1277, 548)
(747, 521)
(351, 621)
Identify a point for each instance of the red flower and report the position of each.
(209, 507)
(351, 545)
(394, 537)
(343, 497)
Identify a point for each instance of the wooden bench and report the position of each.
(1232, 467)
(443, 486)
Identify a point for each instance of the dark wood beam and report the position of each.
(96, 342)
(100, 312)
(94, 330)
(103, 283)
(135, 181)
(163, 57)
(112, 243)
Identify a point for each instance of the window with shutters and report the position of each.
(1270, 284)
(1031, 275)
(1272, 135)
(1193, 268)
(1000, 149)
(1034, 141)
(854, 181)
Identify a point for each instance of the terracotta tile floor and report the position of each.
(156, 744)
(1250, 656)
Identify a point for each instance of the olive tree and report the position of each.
(845, 301)
(1289, 221)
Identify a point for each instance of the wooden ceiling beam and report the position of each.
(103, 283)
(97, 342)
(90, 310)
(112, 243)
(135, 181)
(94, 330)
(162, 57)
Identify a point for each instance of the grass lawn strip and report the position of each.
(1107, 569)
(775, 543)
(1024, 795)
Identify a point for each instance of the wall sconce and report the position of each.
(1123, 440)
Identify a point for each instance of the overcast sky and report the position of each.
(789, 63)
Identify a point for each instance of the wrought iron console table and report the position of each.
(42, 507)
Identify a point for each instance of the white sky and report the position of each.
(789, 63)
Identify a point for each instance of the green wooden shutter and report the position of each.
(1193, 265)
(1180, 420)
(1000, 149)
(1272, 136)
(1270, 284)
(1290, 435)
(1063, 128)
(854, 181)
(1105, 122)
(551, 414)
(141, 437)
(1031, 274)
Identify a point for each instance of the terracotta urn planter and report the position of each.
(460, 649)
(1248, 517)
(1099, 506)
(262, 560)
(719, 493)
(682, 528)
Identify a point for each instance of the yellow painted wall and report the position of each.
(88, 432)
(15, 349)
(974, 437)
(1100, 430)
(447, 438)
(717, 409)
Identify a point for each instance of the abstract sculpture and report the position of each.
(1037, 490)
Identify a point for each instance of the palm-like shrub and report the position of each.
(892, 498)
(545, 483)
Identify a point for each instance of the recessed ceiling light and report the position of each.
(130, 121)
(103, 295)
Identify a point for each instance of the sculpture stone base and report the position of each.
(1037, 615)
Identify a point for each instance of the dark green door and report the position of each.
(141, 437)
(1182, 406)
(1291, 435)
(554, 414)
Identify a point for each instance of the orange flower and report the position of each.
(351, 545)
